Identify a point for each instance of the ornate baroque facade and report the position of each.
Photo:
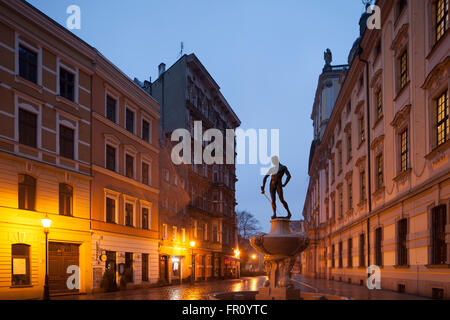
(379, 191)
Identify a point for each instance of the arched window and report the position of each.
(20, 265)
(27, 192)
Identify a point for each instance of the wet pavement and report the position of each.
(201, 290)
(353, 291)
(198, 291)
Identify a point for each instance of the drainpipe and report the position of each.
(369, 180)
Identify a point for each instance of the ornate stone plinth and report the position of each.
(280, 247)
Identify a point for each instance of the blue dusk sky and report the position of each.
(265, 55)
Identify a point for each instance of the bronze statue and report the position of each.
(276, 185)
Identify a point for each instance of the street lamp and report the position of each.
(46, 223)
(237, 253)
(192, 244)
(254, 256)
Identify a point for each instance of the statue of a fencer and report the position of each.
(276, 185)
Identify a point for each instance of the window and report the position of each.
(166, 175)
(145, 267)
(129, 166)
(146, 134)
(442, 119)
(333, 173)
(379, 104)
(340, 159)
(349, 147)
(441, 16)
(65, 199)
(27, 192)
(350, 194)
(362, 130)
(129, 212)
(404, 150)
(333, 262)
(362, 244)
(111, 106)
(20, 265)
(66, 142)
(27, 128)
(333, 208)
(401, 5)
(378, 252)
(402, 251)
(145, 173)
(110, 158)
(174, 233)
(66, 84)
(110, 210)
(341, 204)
(379, 171)
(403, 64)
(200, 231)
(28, 64)
(164, 231)
(340, 255)
(438, 245)
(183, 234)
(129, 120)
(129, 267)
(378, 49)
(362, 184)
(145, 220)
(349, 253)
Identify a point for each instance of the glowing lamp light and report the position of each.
(192, 244)
(46, 223)
(237, 253)
(254, 256)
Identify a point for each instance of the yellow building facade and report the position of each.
(45, 138)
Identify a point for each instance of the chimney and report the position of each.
(161, 69)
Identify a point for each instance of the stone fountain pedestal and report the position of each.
(280, 247)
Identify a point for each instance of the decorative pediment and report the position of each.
(401, 38)
(377, 142)
(348, 127)
(358, 108)
(376, 77)
(111, 139)
(439, 74)
(361, 163)
(401, 116)
(349, 175)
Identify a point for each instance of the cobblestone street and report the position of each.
(201, 290)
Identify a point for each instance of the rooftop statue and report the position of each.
(328, 57)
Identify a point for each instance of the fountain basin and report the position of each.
(280, 241)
